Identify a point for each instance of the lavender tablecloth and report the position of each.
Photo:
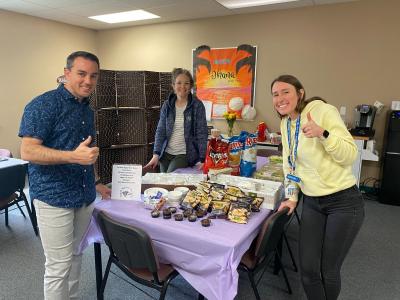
(206, 257)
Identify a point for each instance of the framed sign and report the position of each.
(225, 78)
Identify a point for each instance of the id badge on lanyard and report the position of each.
(290, 189)
(290, 186)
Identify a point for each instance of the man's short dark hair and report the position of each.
(87, 55)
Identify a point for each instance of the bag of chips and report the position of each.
(217, 155)
(235, 154)
(248, 162)
(239, 212)
(219, 209)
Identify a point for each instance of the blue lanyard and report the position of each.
(293, 153)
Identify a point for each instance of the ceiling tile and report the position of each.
(95, 8)
(76, 11)
(60, 3)
(21, 6)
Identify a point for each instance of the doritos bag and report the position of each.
(217, 155)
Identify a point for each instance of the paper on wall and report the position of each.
(208, 106)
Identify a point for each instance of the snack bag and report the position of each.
(248, 162)
(217, 155)
(239, 212)
(219, 209)
(191, 200)
(235, 154)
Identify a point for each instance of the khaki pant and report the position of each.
(61, 231)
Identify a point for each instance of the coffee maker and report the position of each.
(364, 116)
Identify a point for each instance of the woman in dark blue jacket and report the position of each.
(181, 136)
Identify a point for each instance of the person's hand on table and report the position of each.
(152, 163)
(199, 165)
(104, 191)
(289, 204)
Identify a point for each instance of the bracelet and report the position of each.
(98, 181)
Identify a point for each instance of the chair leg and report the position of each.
(262, 274)
(163, 292)
(290, 251)
(32, 216)
(6, 215)
(284, 273)
(253, 285)
(165, 287)
(20, 209)
(104, 281)
(200, 297)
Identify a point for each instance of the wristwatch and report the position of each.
(325, 134)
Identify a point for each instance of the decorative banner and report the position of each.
(225, 78)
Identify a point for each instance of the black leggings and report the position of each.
(329, 225)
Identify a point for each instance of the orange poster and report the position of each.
(225, 78)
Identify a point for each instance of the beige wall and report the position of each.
(32, 56)
(347, 53)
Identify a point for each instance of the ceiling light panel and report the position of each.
(232, 4)
(126, 16)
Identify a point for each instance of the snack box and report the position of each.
(173, 179)
(271, 191)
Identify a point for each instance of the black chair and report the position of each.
(131, 250)
(268, 153)
(12, 183)
(264, 248)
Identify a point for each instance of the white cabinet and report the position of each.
(357, 163)
(362, 154)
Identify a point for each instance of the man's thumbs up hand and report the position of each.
(87, 141)
(84, 154)
(312, 129)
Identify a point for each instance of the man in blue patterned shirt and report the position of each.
(57, 131)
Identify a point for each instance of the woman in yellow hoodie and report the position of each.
(318, 154)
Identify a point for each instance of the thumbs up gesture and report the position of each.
(312, 129)
(84, 154)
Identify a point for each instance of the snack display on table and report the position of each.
(273, 170)
(173, 178)
(227, 197)
(270, 191)
(221, 202)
